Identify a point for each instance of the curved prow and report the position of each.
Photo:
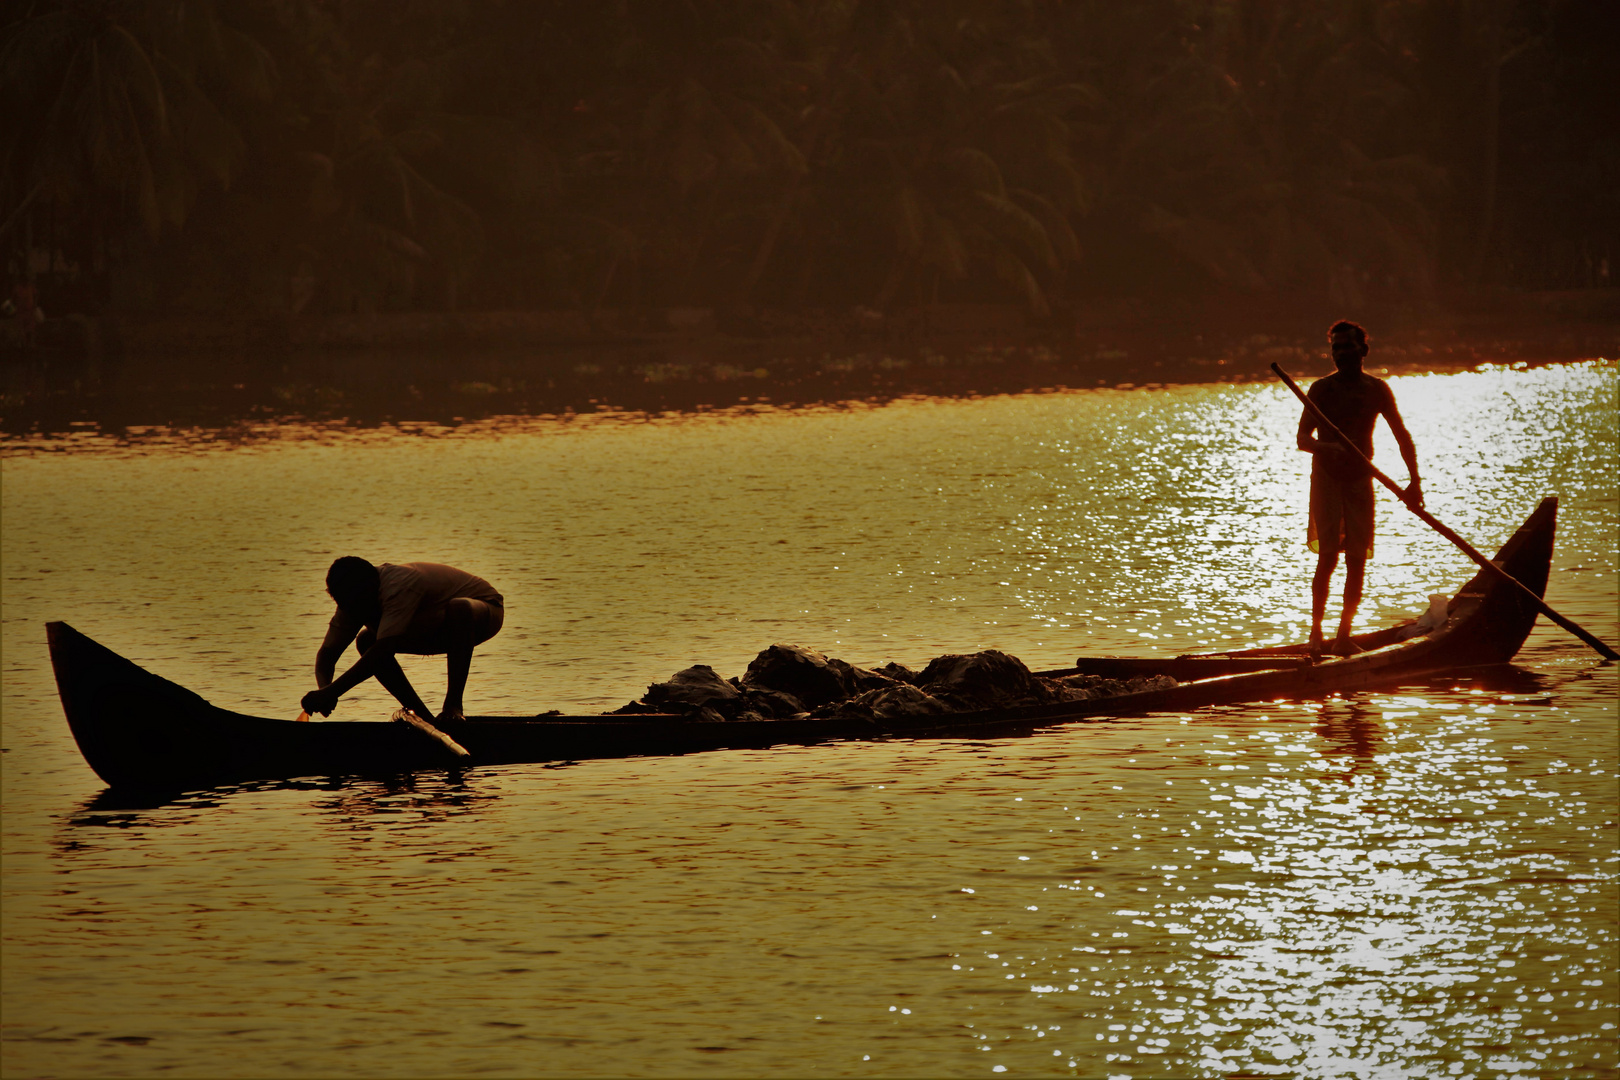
(83, 667)
(124, 718)
(139, 730)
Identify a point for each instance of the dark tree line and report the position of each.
(334, 155)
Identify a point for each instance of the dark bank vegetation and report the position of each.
(285, 157)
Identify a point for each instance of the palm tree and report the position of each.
(115, 121)
(708, 107)
(397, 169)
(379, 221)
(1267, 148)
(955, 147)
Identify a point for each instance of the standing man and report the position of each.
(420, 608)
(1341, 486)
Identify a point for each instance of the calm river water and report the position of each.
(1418, 882)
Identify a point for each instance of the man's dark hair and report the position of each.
(1345, 326)
(352, 581)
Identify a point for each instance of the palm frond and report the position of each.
(975, 170)
(910, 219)
(1059, 232)
(765, 136)
(1012, 270)
(1014, 225)
(210, 141)
(134, 69)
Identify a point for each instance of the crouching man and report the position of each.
(420, 608)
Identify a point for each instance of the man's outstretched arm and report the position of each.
(1403, 440)
(326, 661)
(325, 699)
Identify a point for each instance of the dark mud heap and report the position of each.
(788, 680)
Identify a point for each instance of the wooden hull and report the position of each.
(138, 730)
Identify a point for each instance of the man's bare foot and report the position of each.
(1343, 646)
(1316, 646)
(452, 715)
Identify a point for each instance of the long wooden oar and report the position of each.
(1429, 519)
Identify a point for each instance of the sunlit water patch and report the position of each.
(1415, 882)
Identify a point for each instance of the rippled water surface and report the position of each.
(1420, 881)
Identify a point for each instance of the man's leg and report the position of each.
(392, 677)
(1355, 571)
(1326, 531)
(1326, 562)
(467, 623)
(1358, 541)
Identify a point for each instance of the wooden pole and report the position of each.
(410, 719)
(1429, 519)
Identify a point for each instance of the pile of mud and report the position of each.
(790, 681)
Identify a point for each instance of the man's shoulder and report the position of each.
(1328, 384)
(1374, 385)
(1341, 384)
(397, 578)
(430, 568)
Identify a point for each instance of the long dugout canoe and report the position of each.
(138, 730)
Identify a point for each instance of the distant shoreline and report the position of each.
(1568, 320)
(450, 368)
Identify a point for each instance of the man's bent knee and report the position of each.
(473, 621)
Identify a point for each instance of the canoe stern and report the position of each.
(1496, 617)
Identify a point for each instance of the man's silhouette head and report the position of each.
(1349, 344)
(354, 584)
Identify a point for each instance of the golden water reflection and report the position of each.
(1410, 883)
(1363, 887)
